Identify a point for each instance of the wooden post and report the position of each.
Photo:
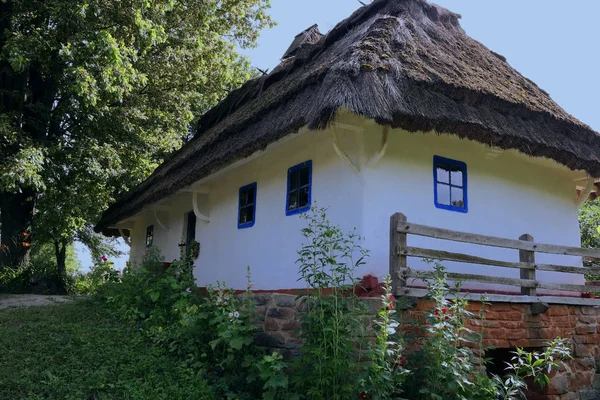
(527, 257)
(397, 258)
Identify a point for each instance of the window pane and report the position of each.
(304, 176)
(243, 198)
(456, 178)
(457, 197)
(443, 175)
(443, 194)
(293, 200)
(149, 236)
(191, 228)
(294, 179)
(303, 197)
(244, 215)
(250, 214)
(250, 195)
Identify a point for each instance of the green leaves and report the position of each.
(97, 93)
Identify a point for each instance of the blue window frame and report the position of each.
(247, 206)
(450, 184)
(149, 236)
(299, 184)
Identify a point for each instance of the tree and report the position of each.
(589, 224)
(95, 93)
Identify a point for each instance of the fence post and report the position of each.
(527, 257)
(397, 258)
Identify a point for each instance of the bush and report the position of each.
(90, 283)
(208, 330)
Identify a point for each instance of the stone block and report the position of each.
(372, 303)
(582, 351)
(285, 300)
(281, 313)
(596, 382)
(583, 329)
(260, 310)
(587, 319)
(589, 395)
(558, 385)
(262, 299)
(539, 308)
(271, 324)
(290, 325)
(270, 339)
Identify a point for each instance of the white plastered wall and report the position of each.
(509, 194)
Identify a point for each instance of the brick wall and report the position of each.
(507, 326)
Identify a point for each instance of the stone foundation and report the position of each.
(507, 326)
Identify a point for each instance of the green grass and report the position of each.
(78, 351)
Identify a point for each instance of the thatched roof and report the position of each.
(404, 63)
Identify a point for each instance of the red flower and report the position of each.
(392, 299)
(400, 362)
(363, 395)
(446, 318)
(444, 309)
(437, 312)
(104, 258)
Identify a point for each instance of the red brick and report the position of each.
(424, 305)
(497, 343)
(513, 334)
(514, 324)
(558, 310)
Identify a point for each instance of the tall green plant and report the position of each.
(331, 327)
(445, 365)
(387, 369)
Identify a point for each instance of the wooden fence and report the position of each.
(400, 271)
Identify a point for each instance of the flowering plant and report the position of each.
(387, 370)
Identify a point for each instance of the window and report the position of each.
(247, 206)
(450, 184)
(299, 188)
(190, 231)
(149, 236)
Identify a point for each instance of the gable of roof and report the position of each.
(403, 63)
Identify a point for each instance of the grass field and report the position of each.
(78, 351)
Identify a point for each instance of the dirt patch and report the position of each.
(31, 300)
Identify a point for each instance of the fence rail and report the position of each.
(400, 229)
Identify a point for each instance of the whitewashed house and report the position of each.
(396, 109)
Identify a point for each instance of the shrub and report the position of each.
(210, 330)
(92, 282)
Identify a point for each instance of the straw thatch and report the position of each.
(404, 63)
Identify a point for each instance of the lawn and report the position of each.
(78, 351)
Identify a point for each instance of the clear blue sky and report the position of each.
(554, 43)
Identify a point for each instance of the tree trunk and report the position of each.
(16, 214)
(60, 250)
